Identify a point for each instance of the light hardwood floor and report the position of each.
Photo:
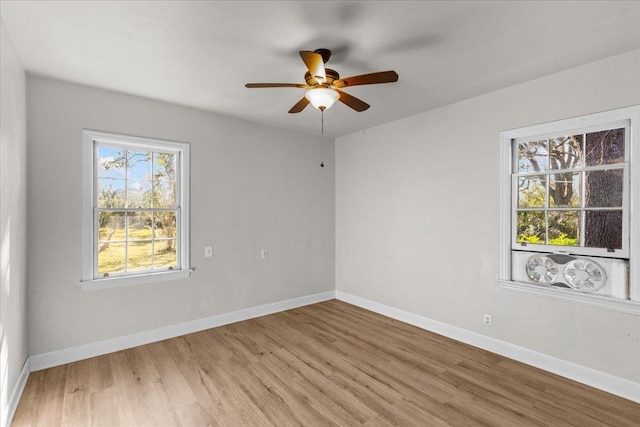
(324, 364)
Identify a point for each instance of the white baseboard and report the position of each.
(603, 381)
(16, 394)
(85, 351)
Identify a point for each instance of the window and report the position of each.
(135, 210)
(567, 230)
(570, 190)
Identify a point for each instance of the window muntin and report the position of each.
(570, 191)
(136, 210)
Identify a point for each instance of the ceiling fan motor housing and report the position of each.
(332, 76)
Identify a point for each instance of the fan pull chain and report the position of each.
(322, 138)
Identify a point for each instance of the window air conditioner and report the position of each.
(602, 276)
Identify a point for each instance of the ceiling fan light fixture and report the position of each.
(322, 98)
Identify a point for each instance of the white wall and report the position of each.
(252, 187)
(13, 216)
(417, 217)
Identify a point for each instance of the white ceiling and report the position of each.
(201, 54)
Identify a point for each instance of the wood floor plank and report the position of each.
(334, 391)
(104, 411)
(76, 403)
(320, 365)
(193, 415)
(304, 383)
(230, 379)
(52, 397)
(29, 405)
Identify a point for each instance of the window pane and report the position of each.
(136, 203)
(164, 166)
(531, 227)
(111, 193)
(566, 152)
(111, 257)
(564, 228)
(139, 255)
(139, 165)
(603, 188)
(111, 226)
(603, 229)
(165, 255)
(139, 225)
(139, 194)
(564, 190)
(605, 147)
(165, 225)
(533, 156)
(532, 191)
(111, 162)
(164, 194)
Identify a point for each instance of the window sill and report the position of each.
(601, 301)
(116, 282)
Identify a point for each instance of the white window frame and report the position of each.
(632, 205)
(90, 140)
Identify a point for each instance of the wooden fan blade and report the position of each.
(260, 85)
(299, 106)
(315, 64)
(368, 79)
(352, 101)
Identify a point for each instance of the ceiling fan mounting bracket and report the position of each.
(325, 53)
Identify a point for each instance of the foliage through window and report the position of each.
(570, 191)
(138, 200)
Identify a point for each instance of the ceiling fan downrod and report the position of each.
(322, 137)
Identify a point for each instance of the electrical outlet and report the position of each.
(208, 251)
(487, 319)
(264, 254)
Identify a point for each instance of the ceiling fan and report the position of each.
(324, 84)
